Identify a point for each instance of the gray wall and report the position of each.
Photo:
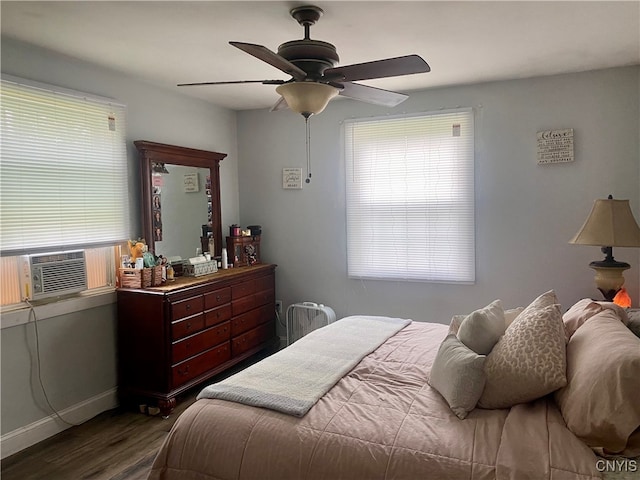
(525, 212)
(77, 361)
(78, 351)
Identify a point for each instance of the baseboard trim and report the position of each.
(24, 437)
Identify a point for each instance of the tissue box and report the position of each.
(202, 268)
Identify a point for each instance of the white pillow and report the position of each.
(509, 316)
(482, 329)
(457, 374)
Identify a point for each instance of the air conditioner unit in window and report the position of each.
(53, 274)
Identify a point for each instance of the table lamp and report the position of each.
(610, 224)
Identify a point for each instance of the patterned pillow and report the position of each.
(482, 329)
(530, 360)
(457, 375)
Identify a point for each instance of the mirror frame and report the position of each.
(151, 152)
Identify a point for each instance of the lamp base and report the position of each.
(609, 278)
(609, 295)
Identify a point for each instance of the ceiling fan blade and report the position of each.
(232, 82)
(272, 58)
(373, 95)
(390, 67)
(281, 104)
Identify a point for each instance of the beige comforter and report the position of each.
(381, 421)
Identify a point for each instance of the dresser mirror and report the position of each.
(180, 194)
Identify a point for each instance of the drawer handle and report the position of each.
(188, 306)
(185, 371)
(218, 298)
(188, 325)
(218, 314)
(188, 346)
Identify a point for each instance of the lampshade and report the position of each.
(307, 98)
(610, 224)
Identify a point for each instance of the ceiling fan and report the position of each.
(315, 76)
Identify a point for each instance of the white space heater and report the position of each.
(306, 317)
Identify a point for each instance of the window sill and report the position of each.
(20, 315)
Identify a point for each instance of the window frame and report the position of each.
(384, 259)
(63, 204)
(102, 277)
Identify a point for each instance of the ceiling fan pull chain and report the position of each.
(308, 141)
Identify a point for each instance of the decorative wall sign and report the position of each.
(555, 146)
(292, 178)
(191, 182)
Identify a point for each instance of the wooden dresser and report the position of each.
(178, 335)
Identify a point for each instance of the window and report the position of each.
(410, 197)
(63, 177)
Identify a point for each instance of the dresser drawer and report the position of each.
(252, 301)
(186, 308)
(243, 304)
(265, 297)
(189, 369)
(217, 315)
(190, 346)
(252, 338)
(249, 320)
(216, 298)
(187, 326)
(243, 289)
(266, 282)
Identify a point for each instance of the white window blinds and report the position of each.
(410, 197)
(63, 169)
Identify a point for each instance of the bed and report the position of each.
(383, 419)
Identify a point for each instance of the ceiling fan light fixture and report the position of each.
(307, 98)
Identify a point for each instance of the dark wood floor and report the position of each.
(115, 445)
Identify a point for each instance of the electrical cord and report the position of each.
(32, 313)
(279, 319)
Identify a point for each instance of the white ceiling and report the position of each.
(172, 42)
